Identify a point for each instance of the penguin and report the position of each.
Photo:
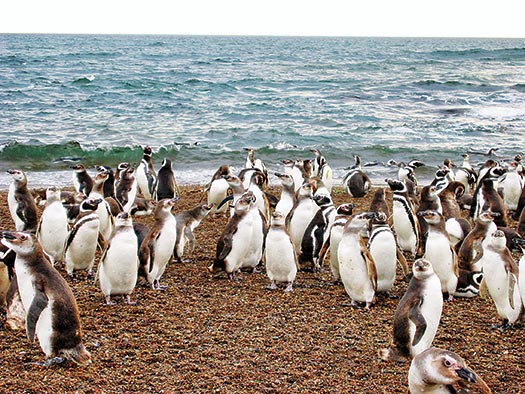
(126, 190)
(501, 276)
(317, 233)
(404, 220)
(121, 167)
(146, 176)
(487, 198)
(470, 250)
(441, 179)
(21, 203)
(356, 182)
(280, 257)
(186, 222)
(378, 203)
(106, 221)
(295, 172)
(301, 214)
(521, 268)
(109, 185)
(457, 226)
(217, 189)
(118, 268)
(236, 189)
(344, 213)
(259, 227)
(235, 243)
(417, 315)
(255, 186)
(356, 266)
(51, 310)
(466, 175)
(53, 227)
(287, 200)
(511, 185)
(166, 185)
(252, 162)
(383, 249)
(322, 170)
(81, 243)
(429, 200)
(15, 317)
(82, 181)
(440, 252)
(441, 371)
(157, 248)
(407, 171)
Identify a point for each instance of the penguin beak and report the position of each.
(8, 235)
(466, 374)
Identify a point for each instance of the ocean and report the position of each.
(200, 100)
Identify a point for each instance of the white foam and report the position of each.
(501, 112)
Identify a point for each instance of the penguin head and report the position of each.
(122, 166)
(451, 368)
(486, 216)
(90, 204)
(18, 175)
(166, 163)
(358, 222)
(285, 179)
(431, 217)
(498, 241)
(305, 191)
(322, 200)
(53, 193)
(101, 176)
(416, 163)
(345, 209)
(21, 243)
(278, 219)
(148, 151)
(233, 180)
(123, 219)
(422, 269)
(396, 185)
(79, 168)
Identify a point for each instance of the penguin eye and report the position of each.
(448, 363)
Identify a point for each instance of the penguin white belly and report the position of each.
(284, 205)
(439, 253)
(496, 278)
(354, 272)
(431, 309)
(512, 190)
(44, 329)
(54, 230)
(142, 181)
(81, 251)
(302, 216)
(163, 250)
(384, 252)
(13, 206)
(131, 197)
(521, 281)
(405, 234)
(105, 226)
(240, 245)
(454, 230)
(254, 252)
(280, 257)
(218, 192)
(118, 272)
(336, 233)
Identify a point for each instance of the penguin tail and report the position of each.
(79, 355)
(392, 354)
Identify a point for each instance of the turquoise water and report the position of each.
(200, 100)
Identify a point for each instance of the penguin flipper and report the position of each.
(370, 265)
(419, 320)
(26, 213)
(39, 303)
(402, 261)
(224, 246)
(512, 285)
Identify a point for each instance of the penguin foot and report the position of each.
(272, 286)
(355, 304)
(127, 300)
(289, 288)
(109, 301)
(503, 326)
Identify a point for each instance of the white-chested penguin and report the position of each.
(466, 175)
(417, 315)
(106, 221)
(511, 185)
(404, 220)
(217, 189)
(126, 190)
(407, 171)
(501, 276)
(321, 169)
(356, 182)
(146, 176)
(119, 264)
(166, 186)
(280, 257)
(157, 248)
(186, 222)
(53, 228)
(301, 214)
(521, 268)
(356, 265)
(442, 371)
(234, 244)
(21, 203)
(82, 181)
(287, 200)
(236, 191)
(51, 310)
(252, 162)
(316, 234)
(81, 243)
(255, 248)
(440, 252)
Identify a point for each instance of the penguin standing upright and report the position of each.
(466, 174)
(441, 371)
(356, 265)
(287, 200)
(405, 223)
(487, 198)
(259, 228)
(126, 191)
(186, 222)
(500, 274)
(51, 310)
(82, 181)
(146, 176)
(106, 221)
(53, 227)
(417, 315)
(81, 243)
(280, 258)
(166, 186)
(217, 189)
(521, 268)
(21, 203)
(109, 184)
(118, 268)
(157, 248)
(356, 182)
(406, 172)
(322, 170)
(440, 252)
(343, 214)
(511, 185)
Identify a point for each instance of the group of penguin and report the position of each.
(294, 232)
(70, 229)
